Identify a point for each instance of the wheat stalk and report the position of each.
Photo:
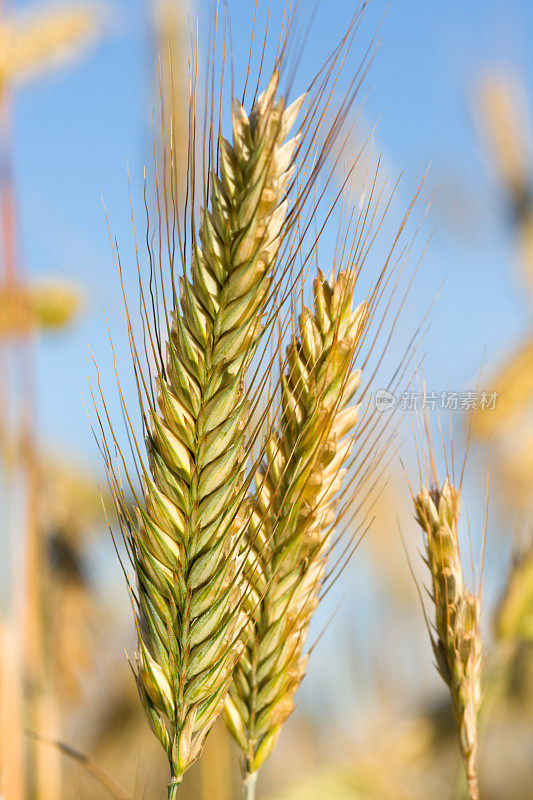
(457, 638)
(292, 525)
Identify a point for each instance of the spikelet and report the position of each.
(457, 639)
(292, 524)
(186, 543)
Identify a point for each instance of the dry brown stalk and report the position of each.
(171, 30)
(12, 751)
(109, 783)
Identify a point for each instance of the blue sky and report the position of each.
(77, 129)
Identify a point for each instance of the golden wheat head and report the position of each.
(457, 639)
(292, 525)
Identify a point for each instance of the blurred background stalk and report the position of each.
(30, 44)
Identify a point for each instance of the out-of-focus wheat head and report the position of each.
(501, 111)
(37, 40)
(514, 384)
(514, 614)
(48, 307)
(503, 121)
(513, 467)
(405, 746)
(172, 46)
(457, 638)
(70, 514)
(292, 527)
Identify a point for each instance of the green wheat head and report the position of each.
(186, 543)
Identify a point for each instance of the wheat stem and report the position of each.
(173, 787)
(248, 786)
(473, 788)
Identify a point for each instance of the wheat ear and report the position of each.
(292, 524)
(185, 545)
(514, 616)
(457, 638)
